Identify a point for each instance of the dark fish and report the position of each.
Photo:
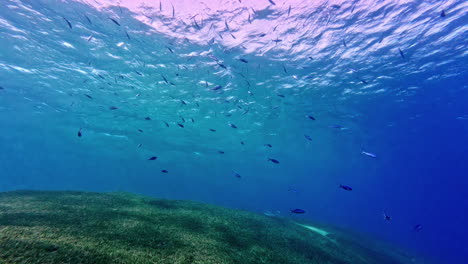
(89, 96)
(237, 175)
(262, 35)
(289, 10)
(212, 130)
(280, 95)
(217, 87)
(139, 146)
(344, 43)
(113, 108)
(336, 6)
(220, 152)
(141, 131)
(153, 158)
(183, 102)
(180, 125)
(68, 22)
(417, 228)
(169, 49)
(297, 211)
(164, 171)
(242, 143)
(346, 188)
(387, 217)
(90, 38)
(271, 2)
(284, 69)
(222, 65)
(244, 60)
(139, 73)
(232, 125)
(310, 117)
(442, 14)
(147, 118)
(401, 53)
(165, 80)
(79, 132)
(166, 123)
(173, 10)
(273, 160)
(267, 145)
(100, 76)
(160, 6)
(234, 37)
(128, 36)
(364, 82)
(193, 120)
(308, 137)
(310, 58)
(89, 20)
(226, 24)
(115, 21)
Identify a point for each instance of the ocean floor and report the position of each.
(83, 227)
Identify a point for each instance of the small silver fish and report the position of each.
(372, 155)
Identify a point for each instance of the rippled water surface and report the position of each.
(260, 105)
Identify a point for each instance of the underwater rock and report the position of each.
(81, 227)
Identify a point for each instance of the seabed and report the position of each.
(82, 227)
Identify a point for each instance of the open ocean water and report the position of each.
(265, 106)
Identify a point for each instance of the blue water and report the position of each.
(337, 61)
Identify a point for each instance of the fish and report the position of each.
(169, 49)
(297, 211)
(128, 36)
(345, 187)
(280, 95)
(182, 118)
(417, 228)
(139, 73)
(164, 171)
(243, 60)
(242, 143)
(364, 82)
(90, 38)
(139, 145)
(308, 137)
(226, 24)
(115, 21)
(401, 53)
(442, 14)
(289, 10)
(173, 10)
(89, 20)
(160, 6)
(180, 125)
(310, 117)
(271, 2)
(222, 65)
(193, 120)
(79, 132)
(153, 158)
(166, 123)
(387, 217)
(147, 118)
(68, 22)
(232, 125)
(183, 102)
(284, 69)
(344, 43)
(372, 155)
(141, 131)
(113, 108)
(267, 145)
(212, 130)
(217, 87)
(237, 175)
(1, 88)
(220, 152)
(274, 160)
(165, 80)
(89, 96)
